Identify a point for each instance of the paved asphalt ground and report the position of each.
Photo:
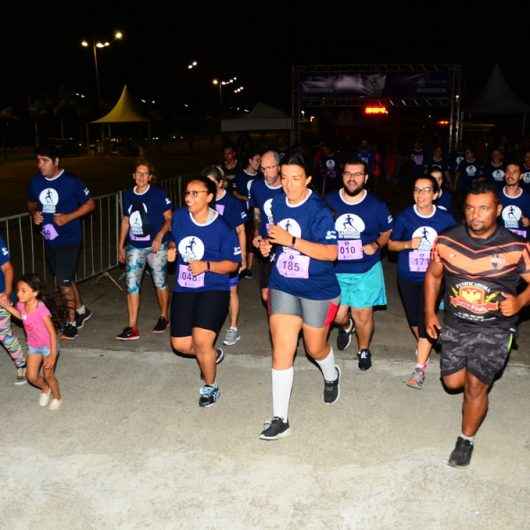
(131, 449)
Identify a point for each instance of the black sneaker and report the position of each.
(209, 394)
(80, 319)
(277, 428)
(344, 336)
(161, 325)
(247, 274)
(69, 332)
(219, 355)
(365, 359)
(128, 333)
(461, 454)
(332, 389)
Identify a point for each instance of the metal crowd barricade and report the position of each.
(100, 237)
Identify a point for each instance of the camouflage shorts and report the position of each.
(482, 353)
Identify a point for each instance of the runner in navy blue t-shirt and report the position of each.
(143, 241)
(207, 252)
(414, 233)
(444, 198)
(363, 225)
(304, 292)
(467, 171)
(525, 172)
(515, 202)
(57, 200)
(262, 192)
(235, 215)
(495, 168)
(241, 190)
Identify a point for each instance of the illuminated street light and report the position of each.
(95, 44)
(221, 83)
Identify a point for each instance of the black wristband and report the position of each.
(293, 241)
(208, 266)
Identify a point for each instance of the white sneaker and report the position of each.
(231, 337)
(55, 404)
(44, 399)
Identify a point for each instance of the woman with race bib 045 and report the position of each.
(413, 236)
(303, 288)
(207, 252)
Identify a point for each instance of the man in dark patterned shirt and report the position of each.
(482, 264)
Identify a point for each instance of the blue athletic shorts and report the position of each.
(364, 289)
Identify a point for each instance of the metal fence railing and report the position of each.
(100, 236)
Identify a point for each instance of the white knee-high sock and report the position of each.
(327, 365)
(282, 384)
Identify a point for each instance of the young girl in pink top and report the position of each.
(41, 339)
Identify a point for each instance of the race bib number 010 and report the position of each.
(350, 249)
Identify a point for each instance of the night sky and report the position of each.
(258, 41)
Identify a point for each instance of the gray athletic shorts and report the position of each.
(314, 313)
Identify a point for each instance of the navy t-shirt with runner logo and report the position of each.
(358, 225)
(525, 178)
(468, 172)
(477, 272)
(409, 224)
(445, 201)
(4, 258)
(243, 181)
(513, 211)
(211, 241)
(261, 195)
(494, 173)
(293, 272)
(232, 210)
(146, 214)
(62, 194)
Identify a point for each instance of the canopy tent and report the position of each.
(124, 111)
(498, 98)
(261, 118)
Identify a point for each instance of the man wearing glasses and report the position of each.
(363, 225)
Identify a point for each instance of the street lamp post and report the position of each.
(95, 44)
(221, 83)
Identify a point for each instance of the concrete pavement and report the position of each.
(131, 448)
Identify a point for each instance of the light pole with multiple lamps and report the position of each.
(95, 44)
(221, 83)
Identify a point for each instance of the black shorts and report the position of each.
(414, 304)
(62, 262)
(264, 271)
(482, 352)
(206, 309)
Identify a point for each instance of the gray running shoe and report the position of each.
(416, 379)
(231, 337)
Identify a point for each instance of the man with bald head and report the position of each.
(262, 191)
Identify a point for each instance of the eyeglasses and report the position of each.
(194, 193)
(427, 189)
(356, 174)
(268, 167)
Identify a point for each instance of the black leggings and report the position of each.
(414, 304)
